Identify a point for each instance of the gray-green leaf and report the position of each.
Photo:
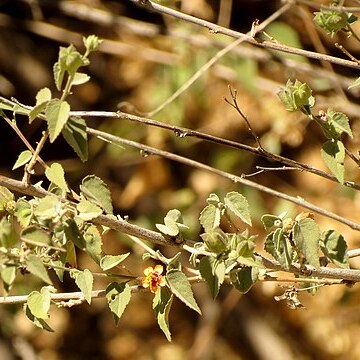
(162, 304)
(118, 297)
(210, 217)
(333, 155)
(213, 271)
(107, 262)
(23, 158)
(39, 303)
(57, 114)
(88, 210)
(243, 279)
(36, 267)
(55, 173)
(237, 205)
(84, 280)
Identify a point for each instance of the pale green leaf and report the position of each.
(93, 243)
(36, 267)
(8, 276)
(73, 234)
(307, 237)
(8, 234)
(107, 262)
(270, 221)
(80, 78)
(88, 210)
(59, 73)
(5, 196)
(213, 271)
(42, 98)
(216, 240)
(162, 304)
(40, 323)
(84, 280)
(334, 248)
(74, 132)
(333, 155)
(22, 159)
(118, 297)
(238, 206)
(171, 230)
(95, 190)
(47, 207)
(181, 288)
(57, 114)
(55, 173)
(339, 121)
(35, 235)
(39, 303)
(243, 279)
(210, 217)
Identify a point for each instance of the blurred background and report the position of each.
(144, 59)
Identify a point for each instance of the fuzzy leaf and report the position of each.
(181, 288)
(22, 159)
(339, 121)
(118, 297)
(243, 279)
(333, 155)
(88, 210)
(237, 205)
(162, 305)
(74, 132)
(80, 78)
(35, 235)
(216, 240)
(40, 323)
(210, 217)
(47, 207)
(213, 271)
(42, 98)
(35, 266)
(73, 234)
(93, 243)
(269, 221)
(23, 212)
(39, 303)
(57, 114)
(307, 237)
(84, 280)
(5, 196)
(334, 248)
(107, 262)
(95, 190)
(55, 173)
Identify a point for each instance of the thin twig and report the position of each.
(236, 179)
(247, 38)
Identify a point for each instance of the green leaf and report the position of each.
(8, 276)
(42, 98)
(48, 207)
(91, 42)
(269, 221)
(162, 304)
(334, 247)
(332, 21)
(307, 237)
(22, 159)
(237, 205)
(173, 223)
(57, 114)
(243, 279)
(296, 96)
(74, 132)
(59, 73)
(39, 303)
(73, 234)
(41, 323)
(118, 297)
(107, 262)
(181, 288)
(286, 35)
(35, 266)
(8, 235)
(84, 280)
(210, 217)
(216, 241)
(93, 243)
(339, 121)
(333, 155)
(23, 212)
(35, 235)
(80, 78)
(96, 191)
(213, 199)
(5, 196)
(70, 59)
(213, 271)
(88, 210)
(55, 173)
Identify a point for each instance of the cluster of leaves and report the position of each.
(298, 96)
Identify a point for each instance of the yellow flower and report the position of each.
(153, 278)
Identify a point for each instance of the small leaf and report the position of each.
(23, 158)
(8, 235)
(334, 248)
(35, 235)
(8, 276)
(238, 206)
(333, 155)
(213, 199)
(339, 121)
(307, 237)
(95, 190)
(5, 196)
(118, 297)
(40, 323)
(74, 132)
(332, 21)
(59, 73)
(57, 114)
(243, 279)
(162, 304)
(270, 221)
(181, 288)
(55, 173)
(107, 262)
(47, 207)
(216, 240)
(80, 78)
(210, 217)
(84, 280)
(23, 212)
(93, 242)
(296, 96)
(39, 303)
(88, 210)
(213, 271)
(42, 98)
(91, 42)
(171, 231)
(35, 266)
(73, 234)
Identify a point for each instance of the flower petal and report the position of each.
(159, 269)
(148, 271)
